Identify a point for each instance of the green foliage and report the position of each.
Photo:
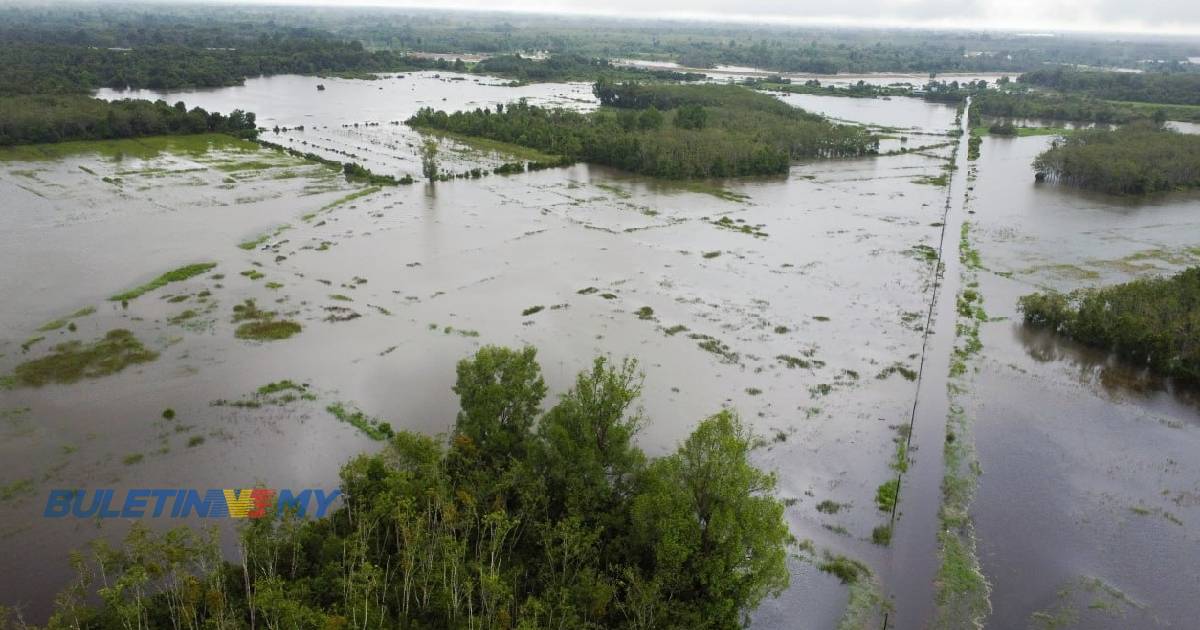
(373, 428)
(516, 522)
(1149, 322)
(260, 325)
(74, 360)
(1177, 88)
(715, 533)
(1135, 159)
(886, 495)
(175, 275)
(429, 164)
(745, 133)
(1049, 106)
(59, 118)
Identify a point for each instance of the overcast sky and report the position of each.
(1164, 16)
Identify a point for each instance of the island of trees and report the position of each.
(520, 519)
(1152, 323)
(1135, 159)
(666, 130)
(57, 118)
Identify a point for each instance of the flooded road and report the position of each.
(812, 325)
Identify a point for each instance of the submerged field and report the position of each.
(801, 301)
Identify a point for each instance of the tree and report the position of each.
(429, 164)
(715, 532)
(587, 454)
(500, 391)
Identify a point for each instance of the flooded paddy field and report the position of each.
(1086, 510)
(801, 301)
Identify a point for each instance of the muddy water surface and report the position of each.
(799, 321)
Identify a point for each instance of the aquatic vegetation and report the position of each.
(252, 244)
(587, 291)
(829, 506)
(845, 569)
(168, 414)
(532, 310)
(132, 459)
(934, 180)
(715, 346)
(373, 428)
(1147, 322)
(795, 362)
(195, 440)
(15, 489)
(674, 330)
(882, 535)
(341, 298)
(279, 393)
(644, 312)
(260, 325)
(908, 373)
(712, 254)
(820, 389)
(739, 226)
(253, 274)
(887, 494)
(175, 275)
(753, 391)
(74, 360)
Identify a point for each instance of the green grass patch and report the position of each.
(887, 494)
(73, 360)
(371, 427)
(175, 275)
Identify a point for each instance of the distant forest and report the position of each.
(665, 130)
(1176, 88)
(51, 50)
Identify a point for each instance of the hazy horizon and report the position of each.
(1170, 17)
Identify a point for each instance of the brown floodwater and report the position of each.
(833, 279)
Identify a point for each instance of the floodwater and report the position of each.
(834, 284)
(1088, 508)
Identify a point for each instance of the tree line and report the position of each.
(1152, 323)
(1180, 88)
(519, 519)
(571, 67)
(699, 131)
(58, 118)
(1138, 158)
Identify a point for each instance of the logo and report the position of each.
(189, 503)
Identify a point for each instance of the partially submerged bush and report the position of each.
(1152, 322)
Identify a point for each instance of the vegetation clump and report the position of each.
(1133, 160)
(175, 275)
(260, 325)
(638, 130)
(1149, 322)
(73, 360)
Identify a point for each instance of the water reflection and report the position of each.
(1095, 367)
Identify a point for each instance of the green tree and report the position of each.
(429, 163)
(715, 532)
